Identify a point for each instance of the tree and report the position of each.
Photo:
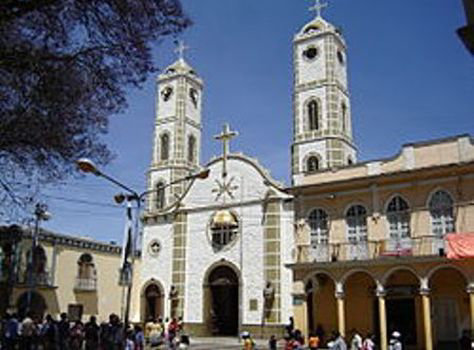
(64, 69)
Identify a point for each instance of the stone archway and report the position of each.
(450, 313)
(153, 302)
(33, 303)
(322, 307)
(223, 294)
(403, 305)
(359, 290)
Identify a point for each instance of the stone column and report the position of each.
(341, 315)
(470, 291)
(380, 292)
(300, 308)
(425, 298)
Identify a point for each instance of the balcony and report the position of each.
(85, 284)
(427, 245)
(40, 279)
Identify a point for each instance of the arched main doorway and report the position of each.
(223, 285)
(31, 302)
(153, 302)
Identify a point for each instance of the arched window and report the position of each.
(344, 117)
(165, 146)
(312, 164)
(318, 223)
(349, 161)
(356, 221)
(86, 273)
(442, 214)
(160, 195)
(398, 216)
(191, 148)
(313, 115)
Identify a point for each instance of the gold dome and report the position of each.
(224, 218)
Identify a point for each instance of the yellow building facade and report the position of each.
(377, 261)
(78, 276)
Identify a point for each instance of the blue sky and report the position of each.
(409, 75)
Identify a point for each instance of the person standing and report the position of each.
(272, 343)
(395, 343)
(339, 343)
(10, 332)
(139, 338)
(369, 343)
(28, 332)
(91, 334)
(313, 341)
(64, 330)
(356, 342)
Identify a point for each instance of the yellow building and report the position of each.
(70, 274)
(377, 260)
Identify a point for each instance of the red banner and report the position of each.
(460, 245)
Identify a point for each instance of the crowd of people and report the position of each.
(35, 333)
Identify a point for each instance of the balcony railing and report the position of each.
(372, 249)
(85, 284)
(40, 279)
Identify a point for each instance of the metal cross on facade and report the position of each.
(318, 7)
(181, 48)
(225, 136)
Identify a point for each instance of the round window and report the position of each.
(224, 228)
(154, 247)
(310, 53)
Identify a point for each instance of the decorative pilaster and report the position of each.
(341, 315)
(381, 293)
(470, 291)
(425, 297)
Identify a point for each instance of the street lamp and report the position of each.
(87, 166)
(41, 214)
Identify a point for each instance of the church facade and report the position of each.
(214, 249)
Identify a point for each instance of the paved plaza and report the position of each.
(225, 343)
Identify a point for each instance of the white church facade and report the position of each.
(214, 250)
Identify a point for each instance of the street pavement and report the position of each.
(223, 343)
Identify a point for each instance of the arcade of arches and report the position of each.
(430, 303)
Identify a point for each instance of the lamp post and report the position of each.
(87, 166)
(41, 214)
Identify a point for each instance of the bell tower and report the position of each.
(322, 127)
(177, 137)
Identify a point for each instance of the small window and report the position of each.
(349, 161)
(166, 93)
(193, 95)
(191, 148)
(313, 115)
(310, 53)
(312, 29)
(312, 164)
(344, 117)
(340, 57)
(160, 195)
(165, 143)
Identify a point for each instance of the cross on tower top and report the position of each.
(181, 47)
(318, 7)
(225, 136)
